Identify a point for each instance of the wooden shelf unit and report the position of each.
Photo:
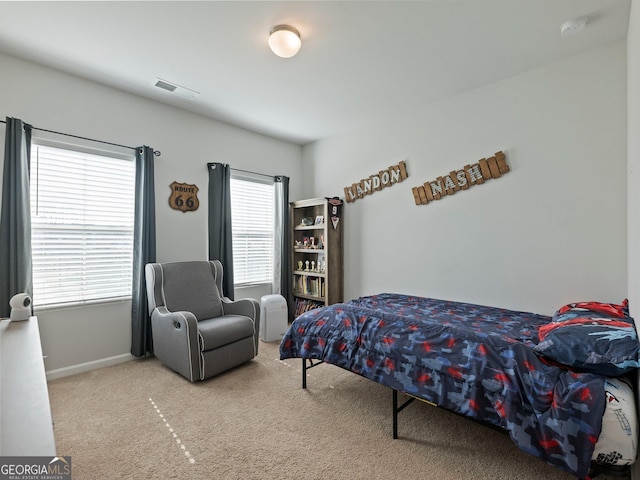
(315, 287)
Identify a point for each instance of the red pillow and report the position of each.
(612, 309)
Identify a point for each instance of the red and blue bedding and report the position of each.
(474, 360)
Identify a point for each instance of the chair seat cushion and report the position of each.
(216, 332)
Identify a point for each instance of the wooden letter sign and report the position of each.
(184, 197)
(377, 181)
(493, 167)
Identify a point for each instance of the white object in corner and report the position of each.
(273, 317)
(20, 307)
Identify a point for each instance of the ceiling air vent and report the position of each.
(176, 89)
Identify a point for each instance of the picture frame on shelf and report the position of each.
(319, 219)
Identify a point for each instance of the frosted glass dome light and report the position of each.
(284, 41)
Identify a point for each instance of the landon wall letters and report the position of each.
(377, 181)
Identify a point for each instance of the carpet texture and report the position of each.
(140, 420)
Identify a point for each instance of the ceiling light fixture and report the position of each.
(284, 41)
(571, 27)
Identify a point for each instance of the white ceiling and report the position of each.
(360, 60)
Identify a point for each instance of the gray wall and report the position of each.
(633, 176)
(633, 169)
(75, 339)
(551, 231)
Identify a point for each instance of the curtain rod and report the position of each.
(253, 173)
(247, 171)
(156, 153)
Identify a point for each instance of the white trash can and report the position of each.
(273, 317)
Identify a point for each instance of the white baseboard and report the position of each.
(85, 367)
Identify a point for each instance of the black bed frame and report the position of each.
(595, 470)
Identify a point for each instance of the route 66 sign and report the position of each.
(184, 197)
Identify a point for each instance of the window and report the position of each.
(82, 215)
(252, 223)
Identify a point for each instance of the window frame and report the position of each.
(243, 176)
(115, 153)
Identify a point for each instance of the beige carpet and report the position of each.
(139, 420)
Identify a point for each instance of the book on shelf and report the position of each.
(302, 305)
(309, 285)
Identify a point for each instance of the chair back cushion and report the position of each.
(191, 287)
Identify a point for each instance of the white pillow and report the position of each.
(618, 439)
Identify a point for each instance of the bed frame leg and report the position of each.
(397, 409)
(304, 373)
(395, 413)
(306, 366)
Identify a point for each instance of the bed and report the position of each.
(556, 384)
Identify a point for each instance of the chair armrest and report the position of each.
(248, 307)
(175, 341)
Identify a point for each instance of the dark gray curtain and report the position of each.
(220, 240)
(15, 217)
(144, 251)
(283, 235)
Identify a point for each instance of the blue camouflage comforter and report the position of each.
(471, 359)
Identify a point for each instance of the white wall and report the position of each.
(53, 100)
(633, 176)
(633, 169)
(551, 231)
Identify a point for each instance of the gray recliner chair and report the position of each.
(196, 331)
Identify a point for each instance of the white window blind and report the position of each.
(82, 214)
(252, 224)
